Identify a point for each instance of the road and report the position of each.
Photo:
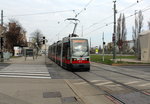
(33, 81)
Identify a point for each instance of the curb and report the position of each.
(124, 64)
(130, 65)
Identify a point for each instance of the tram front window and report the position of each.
(80, 48)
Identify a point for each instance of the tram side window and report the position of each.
(64, 49)
(58, 50)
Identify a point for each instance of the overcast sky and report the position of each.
(49, 16)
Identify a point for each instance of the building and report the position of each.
(44, 49)
(145, 46)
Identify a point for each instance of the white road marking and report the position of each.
(132, 82)
(104, 83)
(80, 83)
(31, 74)
(26, 74)
(11, 76)
(95, 81)
(22, 72)
(147, 84)
(117, 85)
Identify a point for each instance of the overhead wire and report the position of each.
(144, 10)
(75, 16)
(85, 7)
(63, 28)
(42, 13)
(100, 27)
(138, 1)
(96, 23)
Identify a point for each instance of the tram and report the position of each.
(71, 53)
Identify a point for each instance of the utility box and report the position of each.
(145, 46)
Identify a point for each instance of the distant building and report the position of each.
(145, 46)
(128, 49)
(109, 48)
(30, 45)
(130, 44)
(44, 49)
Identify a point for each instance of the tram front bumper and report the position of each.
(80, 66)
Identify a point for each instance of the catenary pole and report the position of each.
(114, 34)
(2, 17)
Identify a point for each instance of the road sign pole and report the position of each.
(103, 45)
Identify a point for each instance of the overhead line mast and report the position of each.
(114, 34)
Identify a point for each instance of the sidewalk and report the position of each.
(44, 91)
(40, 60)
(130, 60)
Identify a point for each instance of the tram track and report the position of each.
(116, 82)
(111, 95)
(107, 93)
(137, 96)
(121, 73)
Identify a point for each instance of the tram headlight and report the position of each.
(87, 59)
(74, 59)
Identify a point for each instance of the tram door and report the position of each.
(66, 54)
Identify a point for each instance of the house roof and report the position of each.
(145, 33)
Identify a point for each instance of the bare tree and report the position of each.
(37, 37)
(121, 33)
(136, 30)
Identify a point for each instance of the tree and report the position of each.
(37, 37)
(109, 47)
(100, 49)
(136, 30)
(149, 25)
(15, 35)
(121, 33)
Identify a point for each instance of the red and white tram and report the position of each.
(71, 53)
